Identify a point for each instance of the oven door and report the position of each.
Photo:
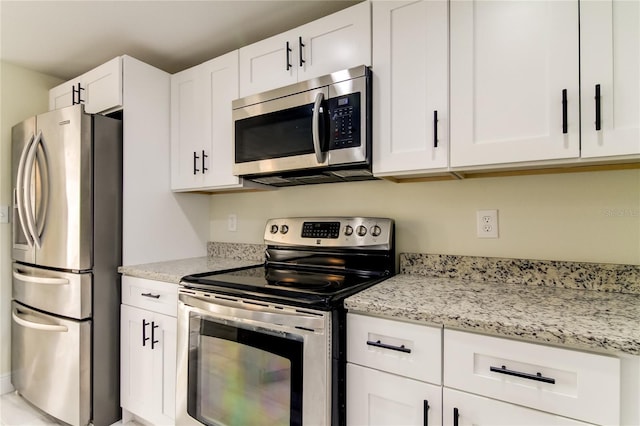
(244, 362)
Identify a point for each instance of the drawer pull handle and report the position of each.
(456, 416)
(537, 377)
(151, 295)
(379, 344)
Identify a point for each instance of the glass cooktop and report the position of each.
(304, 286)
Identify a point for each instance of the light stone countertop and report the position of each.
(582, 319)
(172, 271)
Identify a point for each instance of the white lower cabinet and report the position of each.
(148, 351)
(393, 372)
(462, 409)
(555, 384)
(402, 373)
(378, 398)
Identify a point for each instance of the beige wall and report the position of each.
(23, 93)
(592, 217)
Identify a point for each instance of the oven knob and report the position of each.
(361, 231)
(376, 231)
(284, 229)
(274, 229)
(348, 230)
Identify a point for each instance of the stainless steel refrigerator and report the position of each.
(67, 245)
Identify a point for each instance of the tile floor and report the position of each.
(15, 411)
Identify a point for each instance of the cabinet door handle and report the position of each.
(151, 295)
(425, 410)
(75, 92)
(300, 46)
(538, 377)
(379, 344)
(435, 129)
(144, 332)
(456, 415)
(288, 61)
(195, 163)
(598, 113)
(565, 126)
(204, 169)
(153, 334)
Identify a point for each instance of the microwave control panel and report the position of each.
(345, 121)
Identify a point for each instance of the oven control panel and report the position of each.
(345, 232)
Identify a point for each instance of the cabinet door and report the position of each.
(336, 42)
(268, 64)
(187, 128)
(478, 411)
(514, 81)
(148, 370)
(202, 126)
(610, 63)
(61, 96)
(410, 78)
(100, 89)
(378, 398)
(220, 78)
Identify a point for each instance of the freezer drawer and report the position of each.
(50, 363)
(60, 293)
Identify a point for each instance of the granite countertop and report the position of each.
(602, 321)
(173, 271)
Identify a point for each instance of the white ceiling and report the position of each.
(66, 38)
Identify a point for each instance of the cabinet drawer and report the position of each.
(575, 384)
(155, 296)
(397, 347)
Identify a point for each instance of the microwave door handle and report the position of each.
(315, 127)
(29, 164)
(20, 191)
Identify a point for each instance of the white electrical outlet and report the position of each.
(487, 223)
(232, 222)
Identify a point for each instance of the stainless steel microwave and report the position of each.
(315, 131)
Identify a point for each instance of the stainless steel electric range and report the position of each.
(266, 345)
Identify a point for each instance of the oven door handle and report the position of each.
(254, 313)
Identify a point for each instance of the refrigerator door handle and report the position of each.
(37, 325)
(29, 164)
(39, 280)
(20, 192)
(43, 165)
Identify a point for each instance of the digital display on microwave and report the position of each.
(343, 101)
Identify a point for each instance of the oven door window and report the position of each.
(240, 376)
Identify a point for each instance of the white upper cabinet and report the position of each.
(410, 82)
(201, 125)
(336, 42)
(100, 90)
(514, 81)
(610, 66)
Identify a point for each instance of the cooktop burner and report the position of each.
(311, 262)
